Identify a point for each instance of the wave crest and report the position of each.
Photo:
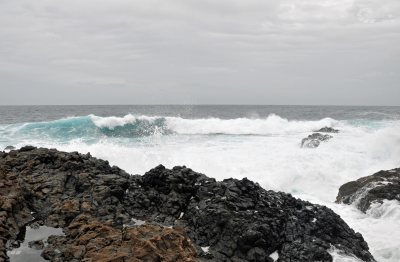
(272, 125)
(130, 126)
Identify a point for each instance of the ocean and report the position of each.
(261, 143)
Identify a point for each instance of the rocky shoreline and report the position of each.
(165, 215)
(381, 186)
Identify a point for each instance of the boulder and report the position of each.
(383, 185)
(314, 140)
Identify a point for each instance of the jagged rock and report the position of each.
(53, 188)
(90, 240)
(314, 140)
(327, 130)
(236, 220)
(383, 185)
(240, 221)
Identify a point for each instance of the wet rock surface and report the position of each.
(90, 240)
(233, 220)
(383, 185)
(314, 140)
(327, 130)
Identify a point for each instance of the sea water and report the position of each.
(261, 143)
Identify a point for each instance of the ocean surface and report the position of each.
(261, 143)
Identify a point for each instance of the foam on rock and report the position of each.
(381, 186)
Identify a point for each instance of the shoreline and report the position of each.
(84, 190)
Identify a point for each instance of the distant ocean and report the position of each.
(261, 143)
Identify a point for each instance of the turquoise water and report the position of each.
(261, 143)
(91, 124)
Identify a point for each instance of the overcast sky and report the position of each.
(200, 52)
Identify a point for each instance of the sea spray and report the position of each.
(264, 149)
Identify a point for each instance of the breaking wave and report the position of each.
(131, 126)
(266, 150)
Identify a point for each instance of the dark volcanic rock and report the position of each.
(58, 186)
(239, 220)
(327, 130)
(314, 140)
(367, 190)
(95, 204)
(52, 188)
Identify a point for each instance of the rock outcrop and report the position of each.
(327, 130)
(58, 189)
(189, 216)
(314, 140)
(90, 240)
(383, 185)
(240, 221)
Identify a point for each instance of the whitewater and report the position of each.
(264, 149)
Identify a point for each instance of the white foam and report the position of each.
(113, 121)
(274, 256)
(138, 222)
(276, 161)
(339, 256)
(272, 125)
(380, 232)
(205, 249)
(388, 210)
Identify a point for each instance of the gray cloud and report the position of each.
(188, 51)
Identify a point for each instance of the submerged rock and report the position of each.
(95, 204)
(36, 244)
(327, 130)
(314, 140)
(383, 185)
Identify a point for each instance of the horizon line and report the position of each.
(329, 105)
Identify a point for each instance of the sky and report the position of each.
(300, 52)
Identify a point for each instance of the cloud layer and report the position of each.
(189, 51)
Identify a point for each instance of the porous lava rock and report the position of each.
(237, 220)
(52, 188)
(94, 203)
(90, 240)
(383, 185)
